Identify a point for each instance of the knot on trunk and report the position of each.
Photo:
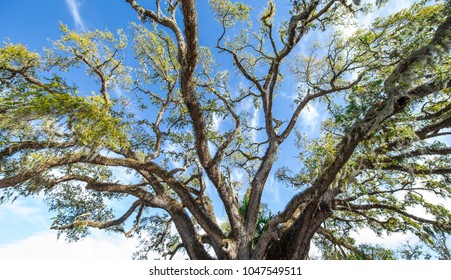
(401, 103)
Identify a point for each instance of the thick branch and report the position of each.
(165, 21)
(32, 145)
(433, 128)
(411, 170)
(350, 206)
(101, 225)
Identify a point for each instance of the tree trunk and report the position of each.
(193, 246)
(294, 243)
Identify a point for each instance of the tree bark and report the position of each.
(294, 243)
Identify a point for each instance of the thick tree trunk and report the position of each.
(193, 246)
(294, 243)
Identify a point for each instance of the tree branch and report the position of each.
(101, 225)
(340, 242)
(32, 145)
(350, 206)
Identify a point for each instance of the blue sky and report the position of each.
(34, 22)
(24, 225)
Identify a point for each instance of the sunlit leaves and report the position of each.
(155, 234)
(42, 112)
(268, 14)
(17, 56)
(86, 117)
(76, 205)
(101, 53)
(157, 54)
(229, 13)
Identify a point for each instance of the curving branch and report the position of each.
(32, 80)
(171, 253)
(25, 176)
(432, 116)
(32, 145)
(356, 207)
(310, 97)
(102, 225)
(138, 221)
(170, 23)
(340, 242)
(97, 69)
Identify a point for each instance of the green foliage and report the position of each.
(382, 175)
(76, 205)
(229, 13)
(157, 55)
(155, 235)
(264, 216)
(17, 56)
(268, 14)
(87, 117)
(100, 52)
(352, 251)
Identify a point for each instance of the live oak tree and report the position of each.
(181, 127)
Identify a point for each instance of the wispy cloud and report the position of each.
(392, 241)
(217, 121)
(273, 191)
(310, 118)
(365, 20)
(350, 24)
(98, 246)
(73, 6)
(25, 210)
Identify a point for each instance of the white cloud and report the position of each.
(173, 148)
(247, 108)
(347, 27)
(73, 6)
(273, 192)
(367, 236)
(246, 105)
(255, 122)
(98, 246)
(22, 210)
(391, 241)
(310, 118)
(238, 176)
(45, 246)
(350, 25)
(217, 121)
(290, 96)
(315, 252)
(391, 8)
(255, 118)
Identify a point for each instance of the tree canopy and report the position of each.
(202, 130)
